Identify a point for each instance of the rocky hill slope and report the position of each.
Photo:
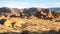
(29, 21)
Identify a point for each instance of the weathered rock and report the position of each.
(30, 19)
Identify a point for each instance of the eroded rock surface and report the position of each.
(38, 20)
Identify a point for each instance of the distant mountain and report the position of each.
(55, 9)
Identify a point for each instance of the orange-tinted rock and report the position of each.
(31, 19)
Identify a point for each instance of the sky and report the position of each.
(29, 3)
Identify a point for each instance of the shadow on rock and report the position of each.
(28, 32)
(45, 32)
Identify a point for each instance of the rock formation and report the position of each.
(30, 19)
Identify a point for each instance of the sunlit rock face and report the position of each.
(29, 19)
(27, 12)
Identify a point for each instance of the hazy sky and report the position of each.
(29, 3)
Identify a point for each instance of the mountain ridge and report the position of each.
(37, 12)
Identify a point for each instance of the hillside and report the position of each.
(29, 21)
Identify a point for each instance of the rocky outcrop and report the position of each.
(42, 13)
(30, 19)
(46, 14)
(27, 12)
